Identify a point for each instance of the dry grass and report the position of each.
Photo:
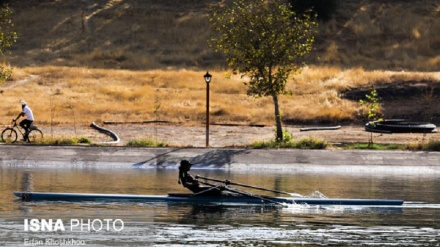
(385, 35)
(66, 95)
(132, 35)
(78, 62)
(149, 34)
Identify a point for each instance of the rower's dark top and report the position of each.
(186, 179)
(193, 184)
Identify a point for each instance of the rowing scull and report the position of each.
(198, 199)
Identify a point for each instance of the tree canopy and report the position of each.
(265, 40)
(7, 36)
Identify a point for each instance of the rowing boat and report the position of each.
(218, 194)
(226, 198)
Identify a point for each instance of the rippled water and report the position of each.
(416, 223)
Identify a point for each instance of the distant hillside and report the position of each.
(149, 34)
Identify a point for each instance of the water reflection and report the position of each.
(207, 214)
(27, 182)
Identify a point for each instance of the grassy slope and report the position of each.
(153, 34)
(141, 36)
(135, 35)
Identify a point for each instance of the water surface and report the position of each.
(416, 223)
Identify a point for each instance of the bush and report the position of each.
(305, 143)
(145, 143)
(372, 146)
(5, 73)
(432, 145)
(311, 143)
(66, 141)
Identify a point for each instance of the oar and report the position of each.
(244, 193)
(212, 187)
(227, 182)
(255, 196)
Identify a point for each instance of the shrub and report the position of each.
(145, 143)
(311, 143)
(5, 73)
(432, 145)
(374, 146)
(65, 141)
(305, 143)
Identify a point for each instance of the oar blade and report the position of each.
(295, 195)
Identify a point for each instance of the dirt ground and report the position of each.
(223, 136)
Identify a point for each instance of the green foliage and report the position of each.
(7, 37)
(264, 40)
(287, 137)
(311, 143)
(373, 146)
(261, 39)
(432, 145)
(305, 143)
(145, 143)
(5, 73)
(370, 108)
(66, 141)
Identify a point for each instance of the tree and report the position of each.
(264, 40)
(7, 36)
(371, 110)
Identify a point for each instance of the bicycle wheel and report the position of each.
(35, 136)
(9, 135)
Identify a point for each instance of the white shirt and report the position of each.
(28, 112)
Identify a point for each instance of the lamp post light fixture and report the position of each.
(207, 77)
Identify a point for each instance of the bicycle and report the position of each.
(10, 134)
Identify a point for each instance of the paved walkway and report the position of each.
(227, 136)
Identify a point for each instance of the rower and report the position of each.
(191, 183)
(185, 178)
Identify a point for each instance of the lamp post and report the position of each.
(207, 77)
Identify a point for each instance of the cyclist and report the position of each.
(25, 123)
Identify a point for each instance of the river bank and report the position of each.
(295, 160)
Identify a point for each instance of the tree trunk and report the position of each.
(279, 136)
